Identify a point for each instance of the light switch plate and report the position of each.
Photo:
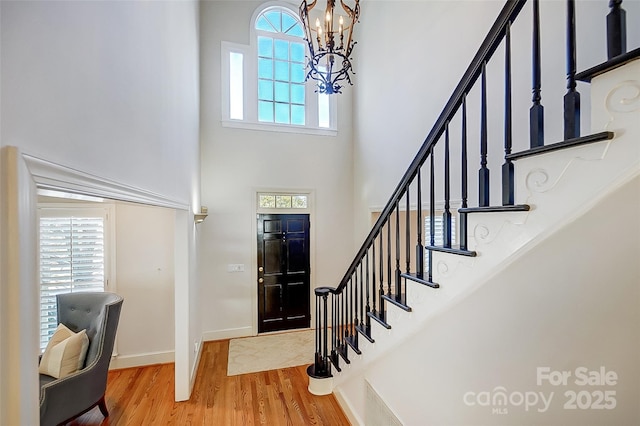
(235, 267)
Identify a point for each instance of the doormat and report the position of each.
(270, 352)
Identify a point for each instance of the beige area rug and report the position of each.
(270, 352)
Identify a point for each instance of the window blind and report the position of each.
(438, 232)
(72, 259)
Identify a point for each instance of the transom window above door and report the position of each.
(283, 201)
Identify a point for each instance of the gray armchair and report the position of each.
(62, 400)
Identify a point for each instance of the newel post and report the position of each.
(320, 378)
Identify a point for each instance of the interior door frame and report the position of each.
(310, 210)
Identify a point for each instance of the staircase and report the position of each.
(401, 282)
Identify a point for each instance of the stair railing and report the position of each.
(362, 294)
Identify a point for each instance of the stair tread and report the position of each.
(609, 65)
(583, 140)
(343, 352)
(420, 280)
(398, 300)
(353, 343)
(366, 332)
(335, 361)
(452, 250)
(379, 319)
(489, 209)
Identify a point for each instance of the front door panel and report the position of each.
(283, 272)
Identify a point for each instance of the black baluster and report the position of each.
(325, 332)
(318, 333)
(381, 291)
(420, 226)
(358, 298)
(368, 307)
(398, 272)
(362, 314)
(347, 318)
(389, 281)
(446, 215)
(352, 319)
(483, 173)
(407, 234)
(354, 303)
(536, 113)
(432, 216)
(340, 321)
(464, 178)
(616, 29)
(572, 98)
(373, 274)
(508, 189)
(334, 353)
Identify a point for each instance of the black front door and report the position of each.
(283, 272)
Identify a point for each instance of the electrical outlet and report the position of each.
(235, 267)
(196, 346)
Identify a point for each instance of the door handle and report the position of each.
(261, 280)
(261, 269)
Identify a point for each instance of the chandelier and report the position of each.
(330, 51)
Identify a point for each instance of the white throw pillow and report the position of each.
(65, 353)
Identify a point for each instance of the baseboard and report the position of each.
(346, 407)
(194, 370)
(229, 333)
(140, 360)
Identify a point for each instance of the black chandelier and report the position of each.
(329, 53)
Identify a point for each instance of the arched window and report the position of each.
(281, 88)
(264, 83)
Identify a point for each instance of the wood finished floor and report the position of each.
(144, 396)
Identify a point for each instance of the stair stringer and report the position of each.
(559, 186)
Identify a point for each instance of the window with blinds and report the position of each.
(438, 232)
(72, 259)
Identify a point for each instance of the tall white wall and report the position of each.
(236, 162)
(108, 88)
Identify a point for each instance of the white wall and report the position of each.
(109, 88)
(236, 162)
(580, 310)
(145, 278)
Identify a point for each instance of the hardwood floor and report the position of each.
(144, 396)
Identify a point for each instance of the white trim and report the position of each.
(194, 368)
(311, 211)
(19, 270)
(54, 176)
(282, 128)
(229, 333)
(140, 360)
(346, 407)
(182, 341)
